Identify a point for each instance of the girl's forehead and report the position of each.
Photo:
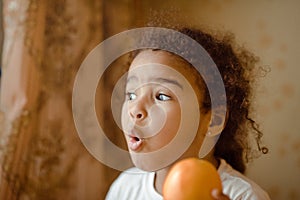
(159, 57)
(155, 73)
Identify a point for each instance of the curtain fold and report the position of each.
(41, 154)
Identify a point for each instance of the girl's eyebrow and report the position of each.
(171, 81)
(159, 80)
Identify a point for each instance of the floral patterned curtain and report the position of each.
(45, 42)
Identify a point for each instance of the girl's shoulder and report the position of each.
(238, 186)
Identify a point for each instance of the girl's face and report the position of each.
(152, 113)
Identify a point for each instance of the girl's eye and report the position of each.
(131, 96)
(163, 97)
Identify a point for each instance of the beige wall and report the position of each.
(271, 30)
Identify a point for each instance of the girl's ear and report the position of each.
(217, 124)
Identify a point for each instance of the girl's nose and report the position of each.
(138, 111)
(138, 114)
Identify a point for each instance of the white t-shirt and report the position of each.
(135, 184)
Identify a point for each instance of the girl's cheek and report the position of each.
(125, 117)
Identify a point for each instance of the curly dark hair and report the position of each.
(237, 69)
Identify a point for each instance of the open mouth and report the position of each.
(135, 143)
(136, 138)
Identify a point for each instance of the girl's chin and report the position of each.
(146, 163)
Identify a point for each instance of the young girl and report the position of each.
(167, 99)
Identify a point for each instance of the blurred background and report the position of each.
(43, 45)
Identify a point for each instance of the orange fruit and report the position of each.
(190, 179)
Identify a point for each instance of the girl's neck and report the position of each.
(159, 179)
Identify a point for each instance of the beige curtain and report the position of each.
(45, 42)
